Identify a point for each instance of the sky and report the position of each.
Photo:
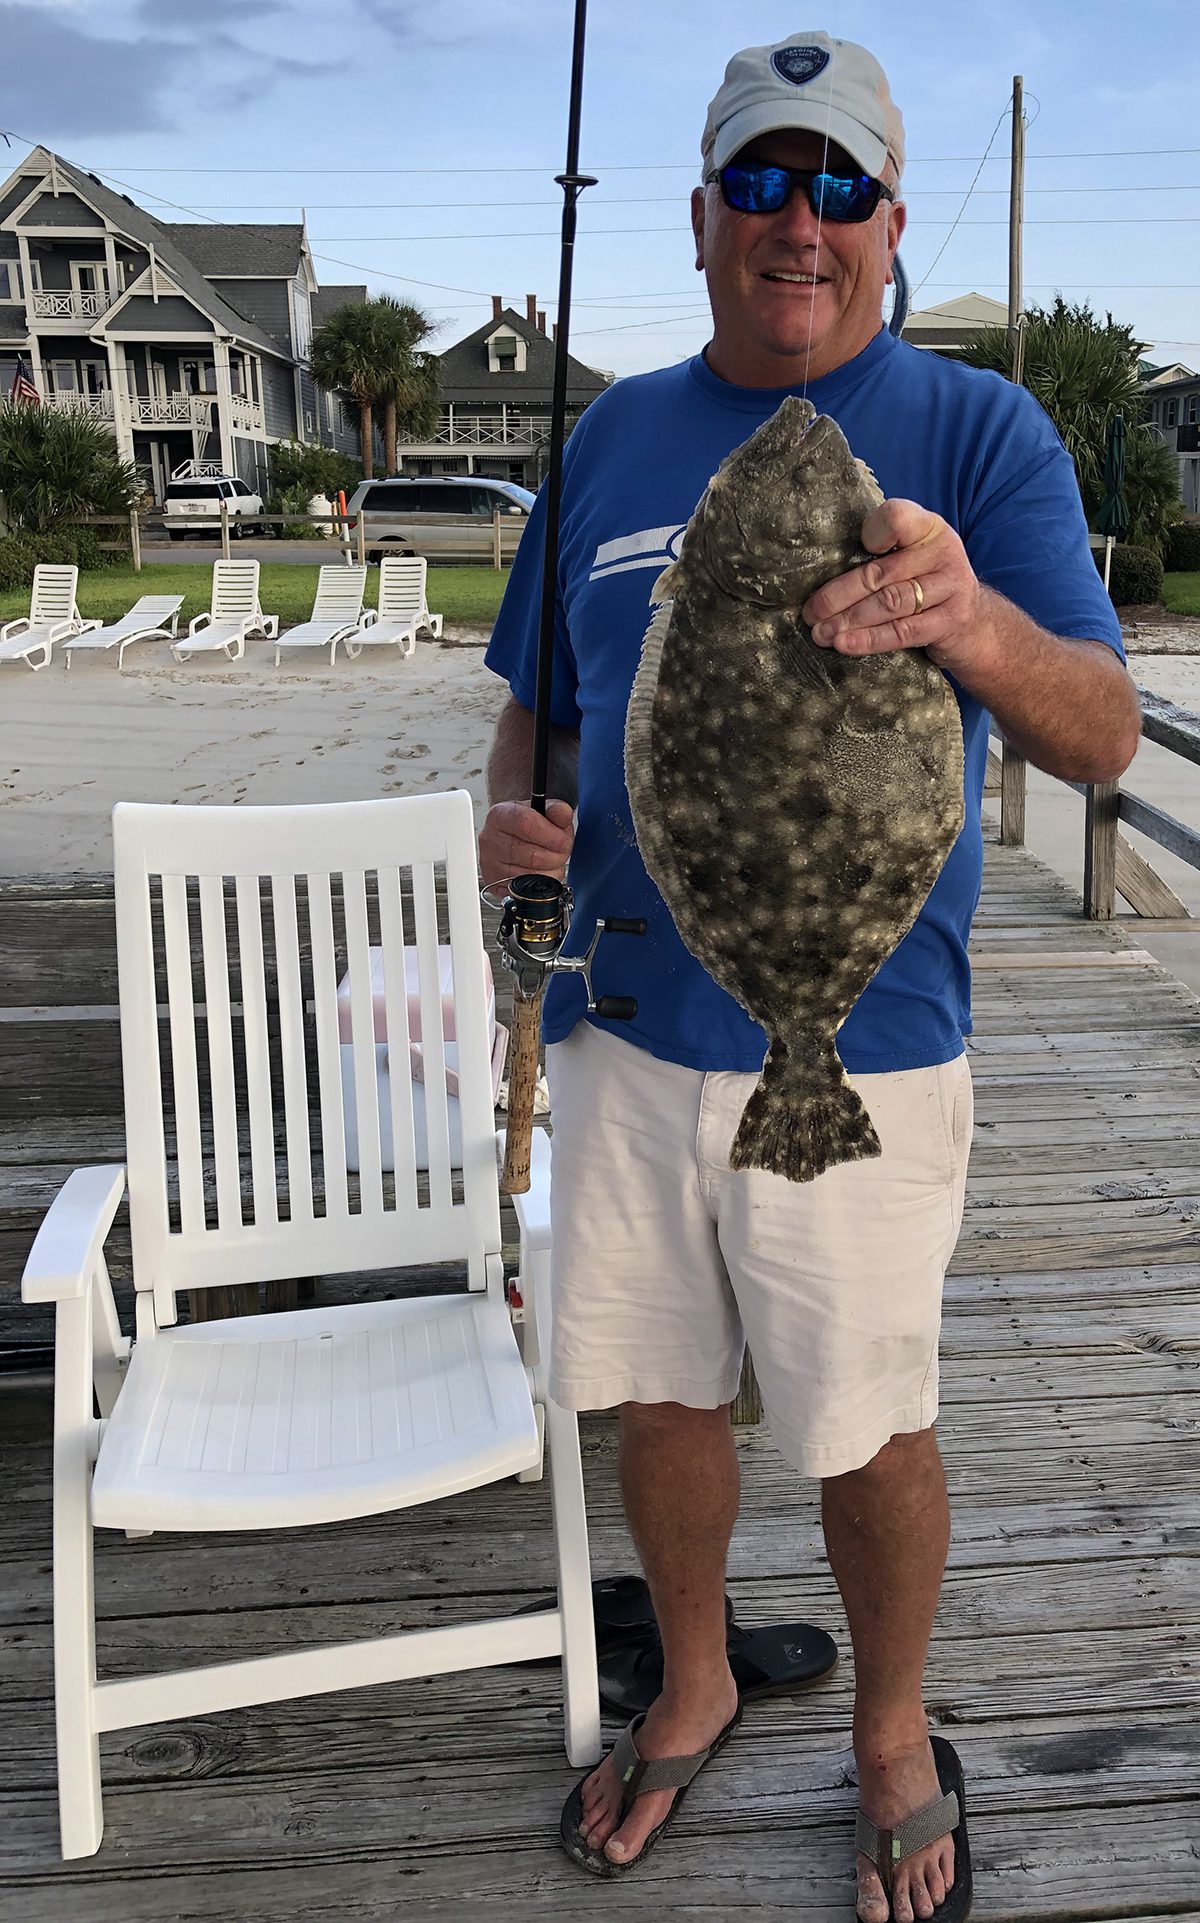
(421, 138)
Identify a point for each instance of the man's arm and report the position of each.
(1068, 706)
(515, 838)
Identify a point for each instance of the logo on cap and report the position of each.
(799, 64)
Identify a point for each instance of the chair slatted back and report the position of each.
(340, 591)
(241, 920)
(234, 590)
(402, 579)
(53, 597)
(154, 607)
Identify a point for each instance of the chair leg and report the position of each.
(581, 1688)
(80, 1815)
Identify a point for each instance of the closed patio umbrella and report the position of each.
(1113, 518)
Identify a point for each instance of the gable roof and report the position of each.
(140, 226)
(465, 364)
(327, 300)
(237, 249)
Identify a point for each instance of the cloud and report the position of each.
(59, 80)
(416, 22)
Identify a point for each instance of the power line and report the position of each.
(636, 200)
(319, 171)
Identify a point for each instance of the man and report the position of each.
(664, 1256)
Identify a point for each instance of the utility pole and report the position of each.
(1016, 210)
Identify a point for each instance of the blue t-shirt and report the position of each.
(966, 444)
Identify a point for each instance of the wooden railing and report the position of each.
(1111, 865)
(71, 306)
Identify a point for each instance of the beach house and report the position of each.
(190, 340)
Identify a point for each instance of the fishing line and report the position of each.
(812, 305)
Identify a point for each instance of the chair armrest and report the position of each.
(199, 621)
(270, 626)
(533, 1208)
(88, 627)
(67, 1248)
(368, 618)
(13, 628)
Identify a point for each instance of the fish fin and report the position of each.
(803, 1118)
(665, 587)
(801, 658)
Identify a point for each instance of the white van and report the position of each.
(194, 507)
(447, 519)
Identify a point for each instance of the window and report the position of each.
(1193, 407)
(10, 280)
(193, 491)
(61, 378)
(240, 487)
(1172, 413)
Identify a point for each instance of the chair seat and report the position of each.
(315, 1415)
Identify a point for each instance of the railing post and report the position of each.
(135, 539)
(360, 537)
(1100, 850)
(1012, 797)
(495, 537)
(224, 529)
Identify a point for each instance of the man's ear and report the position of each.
(698, 226)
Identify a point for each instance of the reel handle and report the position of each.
(624, 925)
(616, 1008)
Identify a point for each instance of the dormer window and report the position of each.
(506, 352)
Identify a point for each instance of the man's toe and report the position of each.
(872, 1903)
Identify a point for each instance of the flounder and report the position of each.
(793, 806)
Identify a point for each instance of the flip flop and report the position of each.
(623, 1612)
(639, 1777)
(945, 1816)
(778, 1659)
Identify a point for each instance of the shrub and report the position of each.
(1136, 575)
(316, 470)
(20, 553)
(292, 500)
(55, 467)
(1182, 554)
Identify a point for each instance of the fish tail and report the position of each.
(803, 1118)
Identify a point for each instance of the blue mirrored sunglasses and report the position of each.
(755, 189)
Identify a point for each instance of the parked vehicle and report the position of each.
(194, 507)
(449, 519)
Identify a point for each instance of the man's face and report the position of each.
(772, 329)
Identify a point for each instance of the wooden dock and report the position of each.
(1065, 1662)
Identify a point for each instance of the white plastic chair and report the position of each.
(337, 610)
(403, 611)
(154, 618)
(233, 617)
(314, 1415)
(52, 616)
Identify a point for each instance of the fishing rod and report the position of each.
(538, 908)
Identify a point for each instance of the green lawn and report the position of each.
(1181, 593)
(285, 589)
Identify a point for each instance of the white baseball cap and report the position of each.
(814, 84)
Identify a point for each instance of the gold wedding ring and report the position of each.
(920, 597)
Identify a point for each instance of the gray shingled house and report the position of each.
(191, 341)
(496, 389)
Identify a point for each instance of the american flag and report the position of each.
(23, 388)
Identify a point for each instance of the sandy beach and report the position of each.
(74, 742)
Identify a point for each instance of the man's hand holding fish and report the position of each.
(796, 573)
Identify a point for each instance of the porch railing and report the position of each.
(490, 430)
(65, 403)
(72, 306)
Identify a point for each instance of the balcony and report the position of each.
(71, 306)
(99, 404)
(171, 410)
(509, 428)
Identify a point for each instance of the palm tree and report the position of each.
(370, 351)
(55, 467)
(1083, 371)
(345, 359)
(408, 383)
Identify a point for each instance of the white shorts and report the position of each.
(666, 1262)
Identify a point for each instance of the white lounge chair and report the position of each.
(154, 618)
(234, 616)
(336, 612)
(403, 610)
(52, 616)
(311, 1416)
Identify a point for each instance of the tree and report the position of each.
(409, 376)
(57, 466)
(370, 351)
(345, 359)
(1083, 371)
(1151, 489)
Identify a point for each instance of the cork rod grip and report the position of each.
(522, 1089)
